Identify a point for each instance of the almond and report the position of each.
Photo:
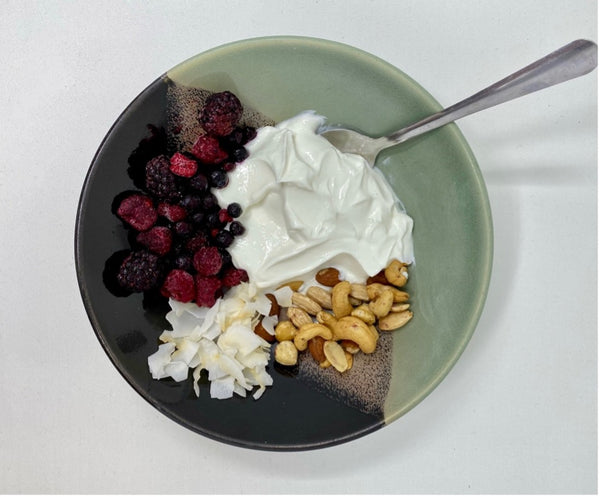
(315, 347)
(262, 333)
(328, 277)
(274, 304)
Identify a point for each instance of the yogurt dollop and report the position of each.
(306, 206)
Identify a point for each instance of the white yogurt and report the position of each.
(307, 206)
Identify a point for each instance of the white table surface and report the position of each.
(517, 414)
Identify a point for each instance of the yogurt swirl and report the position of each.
(306, 206)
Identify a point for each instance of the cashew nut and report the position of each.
(349, 346)
(364, 313)
(339, 299)
(383, 303)
(286, 353)
(308, 331)
(352, 328)
(396, 273)
(327, 319)
(374, 289)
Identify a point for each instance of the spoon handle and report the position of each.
(571, 61)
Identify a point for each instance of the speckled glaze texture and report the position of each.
(435, 176)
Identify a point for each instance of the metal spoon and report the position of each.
(571, 61)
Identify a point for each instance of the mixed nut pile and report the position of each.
(338, 319)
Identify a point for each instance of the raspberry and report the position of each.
(221, 113)
(140, 271)
(171, 212)
(181, 165)
(179, 285)
(234, 276)
(208, 261)
(224, 216)
(138, 211)
(160, 181)
(208, 150)
(208, 290)
(157, 239)
(196, 242)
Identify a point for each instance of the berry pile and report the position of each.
(179, 233)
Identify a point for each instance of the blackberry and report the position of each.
(160, 181)
(221, 113)
(140, 271)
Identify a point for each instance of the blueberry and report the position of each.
(213, 221)
(210, 202)
(224, 238)
(199, 182)
(234, 209)
(237, 228)
(218, 178)
(192, 203)
(183, 262)
(183, 228)
(239, 154)
(198, 218)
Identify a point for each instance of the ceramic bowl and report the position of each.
(436, 176)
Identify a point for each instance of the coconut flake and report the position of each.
(160, 358)
(268, 323)
(219, 340)
(283, 296)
